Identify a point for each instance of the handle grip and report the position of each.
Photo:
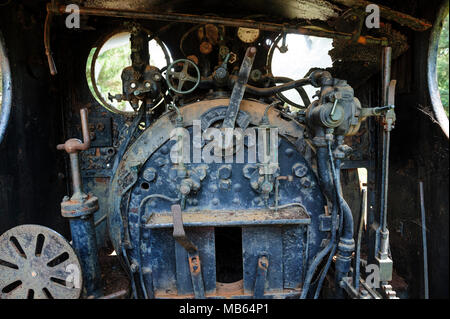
(74, 145)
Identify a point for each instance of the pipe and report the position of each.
(346, 223)
(203, 19)
(424, 241)
(358, 243)
(327, 188)
(48, 51)
(384, 241)
(300, 90)
(84, 243)
(346, 244)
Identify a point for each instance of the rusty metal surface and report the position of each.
(39, 273)
(294, 215)
(292, 9)
(232, 22)
(159, 133)
(387, 13)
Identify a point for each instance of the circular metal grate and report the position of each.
(38, 263)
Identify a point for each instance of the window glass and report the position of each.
(442, 65)
(113, 57)
(304, 52)
(1, 84)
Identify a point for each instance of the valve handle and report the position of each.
(74, 145)
(182, 76)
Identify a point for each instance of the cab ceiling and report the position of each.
(272, 9)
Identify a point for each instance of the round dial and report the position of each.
(248, 35)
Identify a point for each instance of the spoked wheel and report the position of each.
(182, 77)
(38, 263)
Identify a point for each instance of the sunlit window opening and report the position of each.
(113, 57)
(442, 65)
(1, 84)
(304, 52)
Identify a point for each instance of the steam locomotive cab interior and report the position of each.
(183, 149)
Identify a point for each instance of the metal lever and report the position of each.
(79, 209)
(178, 230)
(239, 88)
(193, 257)
(74, 145)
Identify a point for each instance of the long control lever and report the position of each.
(79, 209)
(239, 88)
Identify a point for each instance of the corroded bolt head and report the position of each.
(305, 182)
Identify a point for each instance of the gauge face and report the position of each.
(248, 35)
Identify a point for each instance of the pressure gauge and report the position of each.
(248, 35)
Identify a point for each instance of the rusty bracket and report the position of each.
(261, 274)
(389, 118)
(196, 275)
(389, 14)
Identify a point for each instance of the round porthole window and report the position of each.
(106, 62)
(303, 53)
(5, 89)
(438, 59)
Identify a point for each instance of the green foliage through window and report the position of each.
(1, 85)
(113, 57)
(442, 65)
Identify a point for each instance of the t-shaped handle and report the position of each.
(74, 145)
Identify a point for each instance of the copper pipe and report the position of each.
(74, 145)
(48, 51)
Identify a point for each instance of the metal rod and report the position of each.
(116, 295)
(424, 241)
(362, 213)
(203, 19)
(386, 60)
(76, 176)
(48, 50)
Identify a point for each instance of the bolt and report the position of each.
(185, 189)
(305, 182)
(224, 172)
(149, 174)
(134, 267)
(267, 187)
(299, 169)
